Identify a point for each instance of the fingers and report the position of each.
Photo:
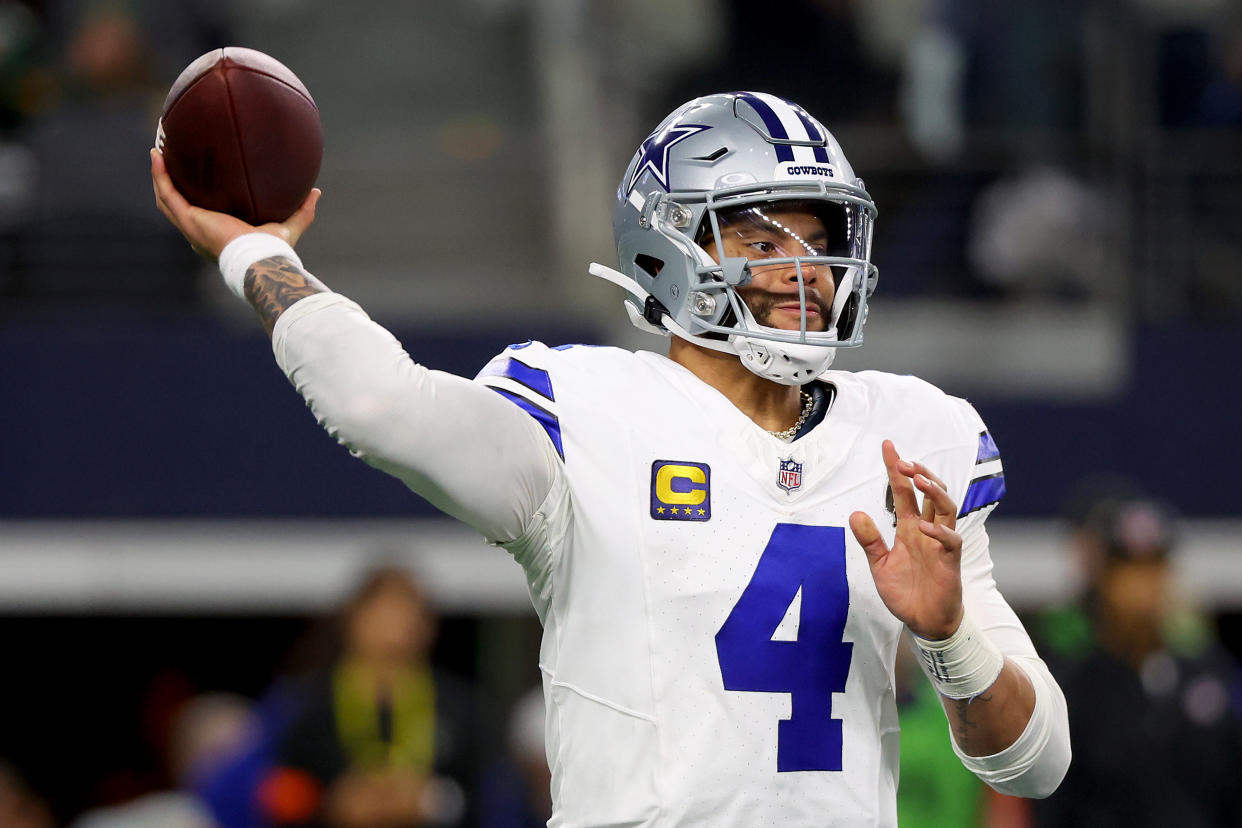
(157, 172)
(868, 535)
(938, 507)
(919, 468)
(170, 202)
(899, 473)
(904, 476)
(948, 539)
(298, 223)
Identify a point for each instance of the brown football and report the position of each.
(241, 134)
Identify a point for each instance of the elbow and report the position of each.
(1058, 762)
(1043, 784)
(1060, 769)
(1042, 778)
(1035, 765)
(1049, 766)
(1057, 752)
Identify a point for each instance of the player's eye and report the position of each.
(764, 247)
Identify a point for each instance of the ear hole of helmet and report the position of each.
(649, 264)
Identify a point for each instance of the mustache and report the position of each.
(762, 303)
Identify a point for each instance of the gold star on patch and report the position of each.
(660, 509)
(702, 511)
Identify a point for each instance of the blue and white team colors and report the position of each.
(715, 652)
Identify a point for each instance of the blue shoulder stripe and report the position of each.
(987, 448)
(536, 379)
(983, 491)
(551, 424)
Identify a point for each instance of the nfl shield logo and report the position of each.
(790, 475)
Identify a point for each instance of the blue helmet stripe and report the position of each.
(784, 152)
(551, 424)
(813, 132)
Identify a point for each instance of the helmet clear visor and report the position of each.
(802, 260)
(781, 230)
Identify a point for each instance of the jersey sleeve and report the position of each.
(519, 375)
(986, 486)
(1034, 765)
(468, 451)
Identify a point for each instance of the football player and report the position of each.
(723, 544)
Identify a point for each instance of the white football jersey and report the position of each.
(715, 652)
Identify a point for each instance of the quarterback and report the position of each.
(724, 544)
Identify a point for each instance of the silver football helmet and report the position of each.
(721, 168)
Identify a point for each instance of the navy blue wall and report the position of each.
(188, 417)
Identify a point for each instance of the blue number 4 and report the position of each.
(810, 669)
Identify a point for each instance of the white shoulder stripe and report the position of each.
(986, 468)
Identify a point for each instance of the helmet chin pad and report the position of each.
(782, 362)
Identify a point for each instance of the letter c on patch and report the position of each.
(692, 480)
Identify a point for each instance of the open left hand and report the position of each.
(919, 578)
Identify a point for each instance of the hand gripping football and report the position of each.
(241, 135)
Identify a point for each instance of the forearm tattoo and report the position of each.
(272, 285)
(964, 726)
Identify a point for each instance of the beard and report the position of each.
(761, 304)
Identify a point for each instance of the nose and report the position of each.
(810, 273)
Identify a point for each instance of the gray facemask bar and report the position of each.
(732, 273)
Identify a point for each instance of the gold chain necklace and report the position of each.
(807, 403)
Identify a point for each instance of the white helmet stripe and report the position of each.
(794, 128)
(804, 155)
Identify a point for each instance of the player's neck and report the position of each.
(773, 407)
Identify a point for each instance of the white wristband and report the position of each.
(963, 665)
(243, 251)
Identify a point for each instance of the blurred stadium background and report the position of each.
(1060, 194)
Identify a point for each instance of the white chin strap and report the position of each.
(787, 363)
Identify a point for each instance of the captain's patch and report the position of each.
(681, 490)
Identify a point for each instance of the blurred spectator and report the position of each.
(19, 30)
(827, 59)
(206, 732)
(382, 739)
(243, 791)
(518, 790)
(1156, 735)
(88, 232)
(20, 807)
(1040, 233)
(993, 66)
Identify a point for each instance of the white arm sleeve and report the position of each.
(467, 450)
(1036, 763)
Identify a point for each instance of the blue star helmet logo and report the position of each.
(654, 153)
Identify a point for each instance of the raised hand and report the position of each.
(919, 578)
(207, 231)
